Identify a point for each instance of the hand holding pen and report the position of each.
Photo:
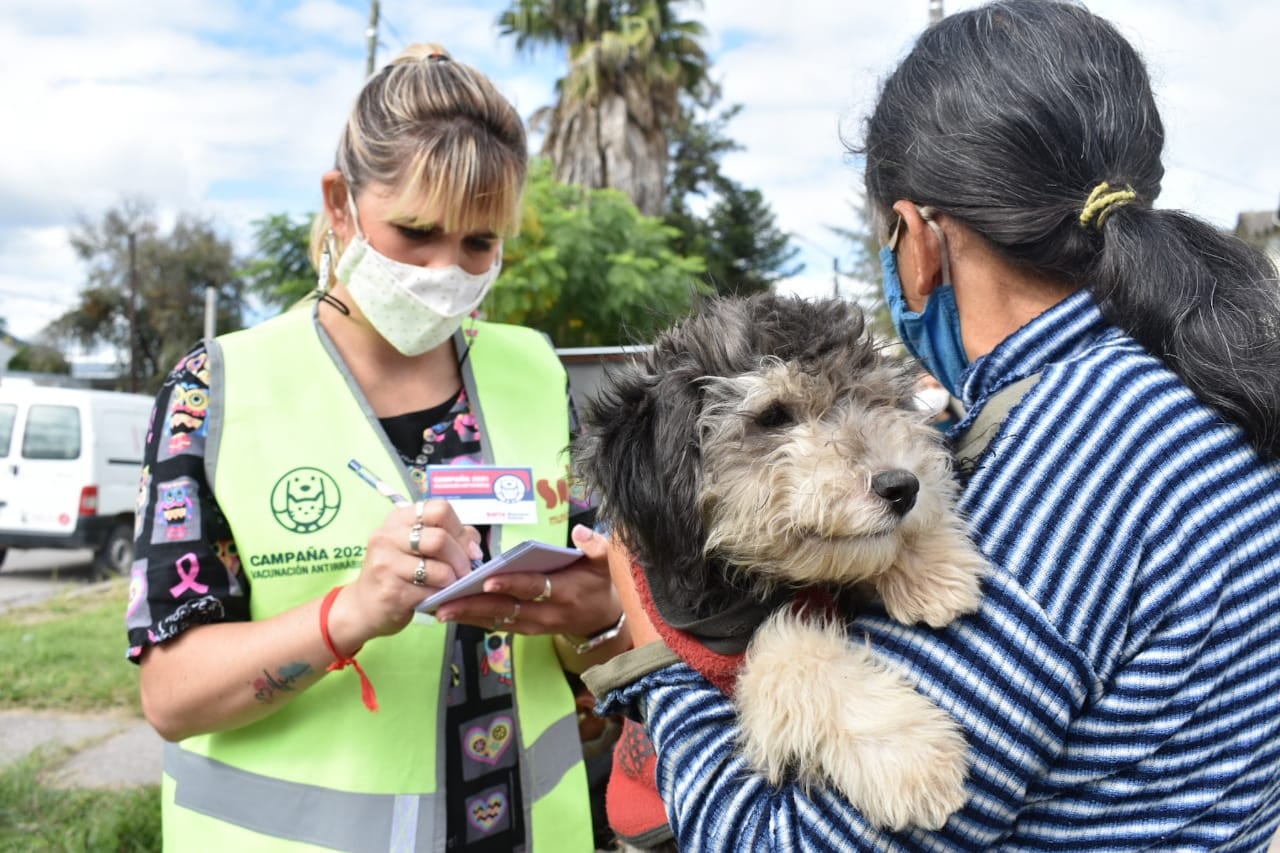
(394, 579)
(415, 531)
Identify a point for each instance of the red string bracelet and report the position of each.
(366, 686)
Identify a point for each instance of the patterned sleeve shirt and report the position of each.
(1120, 686)
(181, 528)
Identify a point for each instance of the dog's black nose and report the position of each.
(898, 487)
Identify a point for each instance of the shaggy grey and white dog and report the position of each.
(763, 449)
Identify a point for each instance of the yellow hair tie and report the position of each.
(1102, 201)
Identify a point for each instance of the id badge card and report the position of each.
(485, 494)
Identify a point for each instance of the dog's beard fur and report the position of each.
(744, 457)
(791, 499)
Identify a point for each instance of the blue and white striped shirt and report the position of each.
(1120, 687)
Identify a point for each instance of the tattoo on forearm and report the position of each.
(266, 688)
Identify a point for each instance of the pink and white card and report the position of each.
(485, 494)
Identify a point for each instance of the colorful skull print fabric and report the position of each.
(187, 573)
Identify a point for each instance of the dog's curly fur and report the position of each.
(763, 446)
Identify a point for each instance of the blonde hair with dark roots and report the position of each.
(441, 135)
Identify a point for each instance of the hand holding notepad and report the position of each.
(528, 556)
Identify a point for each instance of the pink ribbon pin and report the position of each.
(188, 576)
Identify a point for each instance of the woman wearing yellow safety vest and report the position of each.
(274, 589)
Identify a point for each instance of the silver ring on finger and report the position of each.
(515, 614)
(420, 573)
(546, 590)
(415, 537)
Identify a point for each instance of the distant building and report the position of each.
(85, 372)
(1262, 229)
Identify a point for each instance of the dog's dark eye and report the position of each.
(775, 416)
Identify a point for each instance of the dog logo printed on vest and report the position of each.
(487, 745)
(305, 500)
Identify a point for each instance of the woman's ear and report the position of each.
(919, 255)
(333, 189)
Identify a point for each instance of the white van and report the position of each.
(70, 460)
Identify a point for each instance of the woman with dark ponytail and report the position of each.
(1033, 127)
(1120, 686)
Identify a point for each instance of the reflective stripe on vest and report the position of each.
(342, 820)
(283, 402)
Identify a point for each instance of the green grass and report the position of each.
(67, 654)
(36, 817)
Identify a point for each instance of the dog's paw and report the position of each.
(933, 586)
(913, 777)
(813, 706)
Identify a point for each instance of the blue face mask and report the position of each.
(932, 336)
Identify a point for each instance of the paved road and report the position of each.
(26, 576)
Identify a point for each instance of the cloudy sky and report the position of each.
(231, 108)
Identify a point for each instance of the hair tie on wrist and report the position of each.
(366, 686)
(1102, 201)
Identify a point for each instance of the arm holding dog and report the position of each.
(1127, 501)
(735, 461)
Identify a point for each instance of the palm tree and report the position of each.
(629, 61)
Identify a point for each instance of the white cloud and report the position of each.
(326, 17)
(232, 108)
(38, 279)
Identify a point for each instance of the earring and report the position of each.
(324, 281)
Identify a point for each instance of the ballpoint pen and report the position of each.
(382, 487)
(385, 489)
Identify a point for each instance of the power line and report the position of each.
(1240, 185)
(796, 235)
(15, 294)
(394, 33)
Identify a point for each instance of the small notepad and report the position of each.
(528, 556)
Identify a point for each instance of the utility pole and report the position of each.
(935, 11)
(133, 312)
(372, 34)
(210, 311)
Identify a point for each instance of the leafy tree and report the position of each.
(280, 271)
(863, 269)
(172, 271)
(629, 61)
(588, 269)
(738, 236)
(40, 358)
(744, 249)
(699, 140)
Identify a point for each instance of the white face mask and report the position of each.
(414, 308)
(931, 399)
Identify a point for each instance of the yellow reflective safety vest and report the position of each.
(323, 772)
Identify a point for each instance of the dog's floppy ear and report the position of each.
(637, 450)
(640, 449)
